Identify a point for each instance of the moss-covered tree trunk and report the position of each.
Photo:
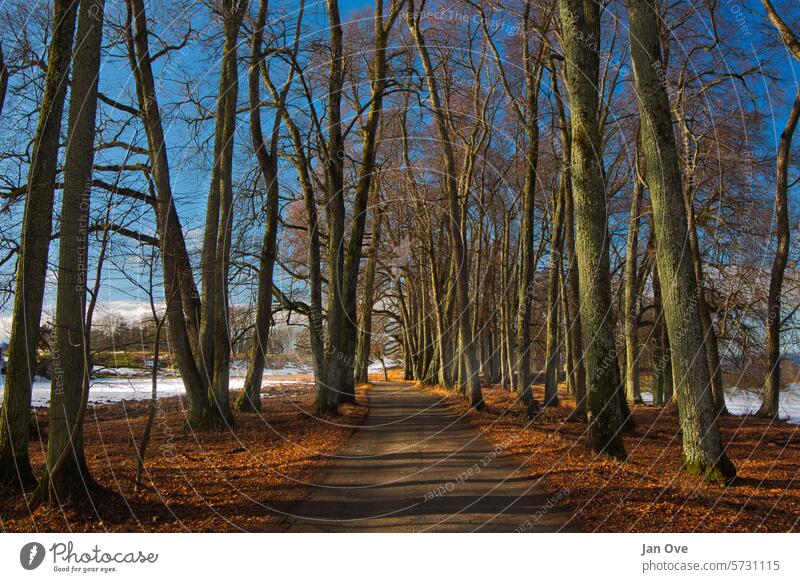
(37, 224)
(703, 452)
(709, 333)
(66, 473)
(660, 351)
(580, 22)
(574, 337)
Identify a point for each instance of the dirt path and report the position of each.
(414, 466)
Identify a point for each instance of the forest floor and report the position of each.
(648, 492)
(231, 480)
(253, 477)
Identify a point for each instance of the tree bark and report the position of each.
(553, 295)
(632, 380)
(577, 370)
(703, 452)
(37, 224)
(182, 316)
(772, 382)
(249, 399)
(66, 473)
(217, 309)
(365, 321)
(581, 36)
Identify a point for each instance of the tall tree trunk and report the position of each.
(632, 380)
(772, 382)
(369, 146)
(365, 321)
(249, 399)
(566, 319)
(661, 387)
(182, 316)
(219, 393)
(335, 214)
(66, 472)
(574, 334)
(522, 342)
(581, 33)
(37, 224)
(527, 260)
(553, 295)
(316, 322)
(703, 452)
(709, 333)
(507, 311)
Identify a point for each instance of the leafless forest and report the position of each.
(575, 217)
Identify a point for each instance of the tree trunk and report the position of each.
(32, 262)
(66, 473)
(151, 405)
(709, 333)
(772, 382)
(660, 358)
(369, 145)
(182, 316)
(553, 295)
(249, 399)
(219, 392)
(335, 214)
(4, 74)
(632, 384)
(581, 28)
(365, 321)
(703, 453)
(574, 335)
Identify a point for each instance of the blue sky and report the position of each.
(189, 170)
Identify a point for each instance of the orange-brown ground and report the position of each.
(648, 493)
(214, 481)
(242, 479)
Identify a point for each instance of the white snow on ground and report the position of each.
(376, 365)
(131, 384)
(742, 401)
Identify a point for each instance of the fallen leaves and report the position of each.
(237, 480)
(648, 493)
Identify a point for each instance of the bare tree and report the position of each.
(34, 248)
(772, 382)
(703, 452)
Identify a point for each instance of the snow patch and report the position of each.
(744, 401)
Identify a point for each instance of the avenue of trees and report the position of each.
(589, 193)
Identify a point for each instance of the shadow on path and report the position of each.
(415, 466)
